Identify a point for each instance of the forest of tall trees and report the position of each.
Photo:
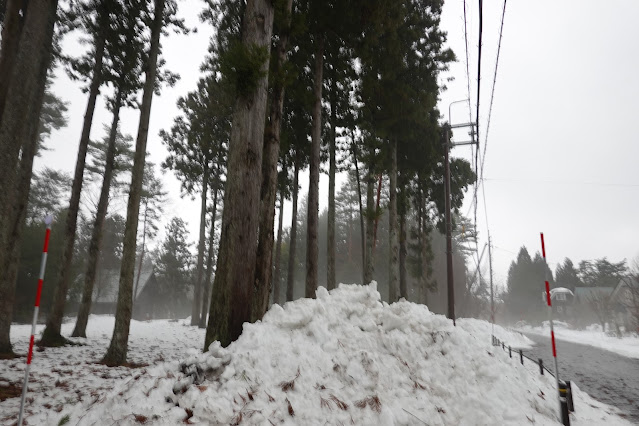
(349, 89)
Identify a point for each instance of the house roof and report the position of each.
(561, 290)
(625, 281)
(585, 292)
(108, 289)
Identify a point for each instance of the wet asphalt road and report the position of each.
(606, 376)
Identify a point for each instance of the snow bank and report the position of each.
(627, 346)
(344, 358)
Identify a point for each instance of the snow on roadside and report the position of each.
(63, 377)
(627, 346)
(343, 358)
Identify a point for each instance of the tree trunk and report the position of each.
(370, 228)
(206, 299)
(403, 285)
(312, 251)
(19, 213)
(28, 79)
(11, 29)
(197, 291)
(278, 253)
(423, 249)
(393, 281)
(263, 268)
(361, 209)
(68, 240)
(51, 336)
(116, 354)
(377, 211)
(142, 250)
(235, 272)
(290, 278)
(330, 246)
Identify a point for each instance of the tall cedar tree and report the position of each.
(278, 76)
(24, 75)
(197, 141)
(124, 51)
(231, 301)
(95, 17)
(117, 351)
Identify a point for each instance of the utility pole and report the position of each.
(492, 297)
(449, 230)
(448, 218)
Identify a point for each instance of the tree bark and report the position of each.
(51, 336)
(116, 353)
(142, 253)
(330, 245)
(68, 241)
(403, 285)
(9, 49)
(423, 249)
(206, 299)
(312, 251)
(18, 217)
(361, 209)
(278, 253)
(290, 278)
(197, 291)
(377, 211)
(235, 272)
(263, 268)
(23, 96)
(370, 228)
(393, 279)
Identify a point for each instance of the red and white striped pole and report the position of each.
(47, 220)
(552, 330)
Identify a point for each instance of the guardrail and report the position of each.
(565, 387)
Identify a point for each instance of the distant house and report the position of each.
(149, 302)
(561, 300)
(625, 296)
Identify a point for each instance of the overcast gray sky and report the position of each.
(562, 148)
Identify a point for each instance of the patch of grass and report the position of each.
(64, 420)
(9, 391)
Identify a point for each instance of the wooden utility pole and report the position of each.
(449, 231)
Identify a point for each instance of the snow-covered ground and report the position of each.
(627, 346)
(343, 358)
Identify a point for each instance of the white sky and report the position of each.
(562, 148)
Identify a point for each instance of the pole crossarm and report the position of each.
(460, 125)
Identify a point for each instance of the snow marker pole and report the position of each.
(552, 332)
(47, 220)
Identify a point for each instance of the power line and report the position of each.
(492, 95)
(559, 182)
(479, 64)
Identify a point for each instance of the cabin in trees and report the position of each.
(625, 297)
(149, 299)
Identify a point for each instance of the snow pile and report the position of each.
(593, 336)
(344, 358)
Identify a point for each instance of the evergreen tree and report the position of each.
(174, 265)
(235, 271)
(27, 44)
(162, 16)
(197, 141)
(566, 275)
(95, 17)
(601, 272)
(124, 47)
